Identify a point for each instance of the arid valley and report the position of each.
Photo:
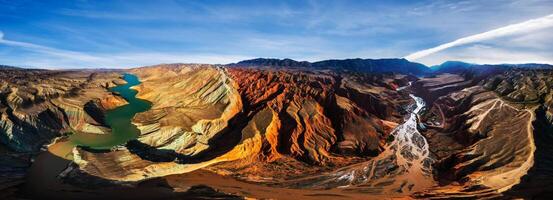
(269, 128)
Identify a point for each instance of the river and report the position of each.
(118, 119)
(42, 180)
(404, 166)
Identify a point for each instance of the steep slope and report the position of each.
(191, 106)
(317, 119)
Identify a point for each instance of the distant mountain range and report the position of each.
(8, 67)
(385, 65)
(357, 64)
(459, 66)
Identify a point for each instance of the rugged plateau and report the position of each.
(269, 128)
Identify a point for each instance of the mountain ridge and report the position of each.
(382, 65)
(375, 65)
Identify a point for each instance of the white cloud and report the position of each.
(488, 54)
(513, 29)
(47, 50)
(220, 33)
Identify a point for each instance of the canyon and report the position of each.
(283, 129)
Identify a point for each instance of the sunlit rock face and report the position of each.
(313, 121)
(191, 105)
(403, 167)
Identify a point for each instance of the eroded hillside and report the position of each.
(483, 133)
(37, 106)
(282, 124)
(474, 133)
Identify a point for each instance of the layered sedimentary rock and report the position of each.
(192, 106)
(312, 119)
(39, 105)
(283, 127)
(484, 132)
(36, 106)
(483, 135)
(203, 115)
(403, 167)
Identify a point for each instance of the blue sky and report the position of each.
(70, 34)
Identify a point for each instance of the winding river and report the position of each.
(118, 119)
(42, 177)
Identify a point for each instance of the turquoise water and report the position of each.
(118, 119)
(42, 178)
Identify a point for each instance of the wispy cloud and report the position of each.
(489, 54)
(47, 50)
(122, 33)
(513, 29)
(73, 59)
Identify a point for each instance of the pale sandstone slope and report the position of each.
(192, 105)
(39, 105)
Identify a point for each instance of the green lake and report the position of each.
(43, 175)
(118, 119)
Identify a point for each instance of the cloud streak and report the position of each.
(75, 59)
(513, 29)
(122, 34)
(47, 50)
